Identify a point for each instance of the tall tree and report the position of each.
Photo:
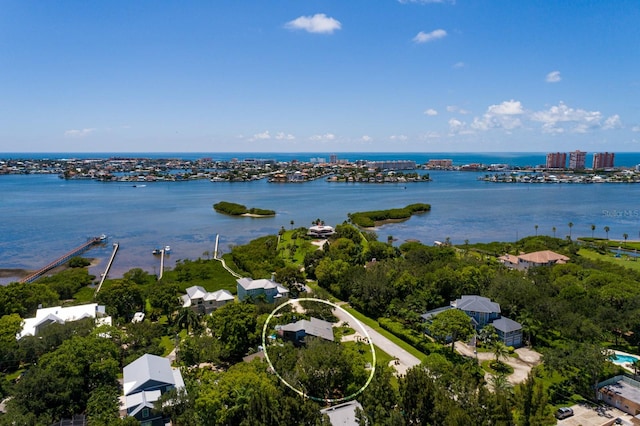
(453, 324)
(606, 230)
(235, 325)
(531, 403)
(570, 226)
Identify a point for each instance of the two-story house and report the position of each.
(203, 301)
(254, 289)
(144, 382)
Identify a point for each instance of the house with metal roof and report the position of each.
(343, 414)
(62, 315)
(203, 301)
(145, 380)
(297, 331)
(483, 311)
(254, 289)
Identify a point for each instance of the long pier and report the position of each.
(59, 261)
(106, 271)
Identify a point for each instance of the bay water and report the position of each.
(43, 216)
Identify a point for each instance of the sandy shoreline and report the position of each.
(19, 273)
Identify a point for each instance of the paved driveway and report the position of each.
(405, 359)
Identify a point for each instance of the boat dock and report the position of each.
(106, 271)
(59, 261)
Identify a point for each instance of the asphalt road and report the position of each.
(405, 359)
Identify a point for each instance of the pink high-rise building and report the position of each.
(577, 160)
(556, 160)
(603, 160)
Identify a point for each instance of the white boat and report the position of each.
(167, 249)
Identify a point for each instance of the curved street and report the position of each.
(404, 358)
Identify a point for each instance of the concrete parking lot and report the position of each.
(585, 416)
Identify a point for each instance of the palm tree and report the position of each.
(625, 236)
(570, 226)
(292, 222)
(554, 231)
(606, 229)
(499, 383)
(536, 226)
(593, 228)
(187, 319)
(500, 350)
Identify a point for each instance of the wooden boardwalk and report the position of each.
(62, 259)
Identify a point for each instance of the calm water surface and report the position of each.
(44, 216)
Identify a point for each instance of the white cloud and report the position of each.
(261, 136)
(612, 122)
(553, 77)
(325, 137)
(366, 138)
(431, 112)
(635, 129)
(561, 118)
(430, 135)
(506, 108)
(398, 138)
(504, 116)
(457, 127)
(458, 65)
(284, 136)
(78, 134)
(456, 109)
(318, 23)
(423, 37)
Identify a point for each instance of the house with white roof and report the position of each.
(62, 315)
(203, 301)
(145, 380)
(253, 289)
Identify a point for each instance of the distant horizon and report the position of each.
(313, 152)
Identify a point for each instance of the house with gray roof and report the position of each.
(254, 289)
(204, 302)
(483, 311)
(144, 382)
(297, 331)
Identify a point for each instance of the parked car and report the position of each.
(563, 413)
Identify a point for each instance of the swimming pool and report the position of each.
(623, 359)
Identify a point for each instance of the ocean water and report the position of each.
(44, 216)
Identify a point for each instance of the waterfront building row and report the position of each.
(577, 160)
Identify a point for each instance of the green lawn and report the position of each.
(625, 261)
(374, 324)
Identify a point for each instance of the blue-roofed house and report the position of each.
(297, 331)
(254, 289)
(144, 382)
(483, 311)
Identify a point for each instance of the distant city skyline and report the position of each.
(330, 76)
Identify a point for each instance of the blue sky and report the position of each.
(319, 76)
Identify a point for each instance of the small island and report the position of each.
(234, 209)
(378, 217)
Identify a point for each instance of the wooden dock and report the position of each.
(62, 259)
